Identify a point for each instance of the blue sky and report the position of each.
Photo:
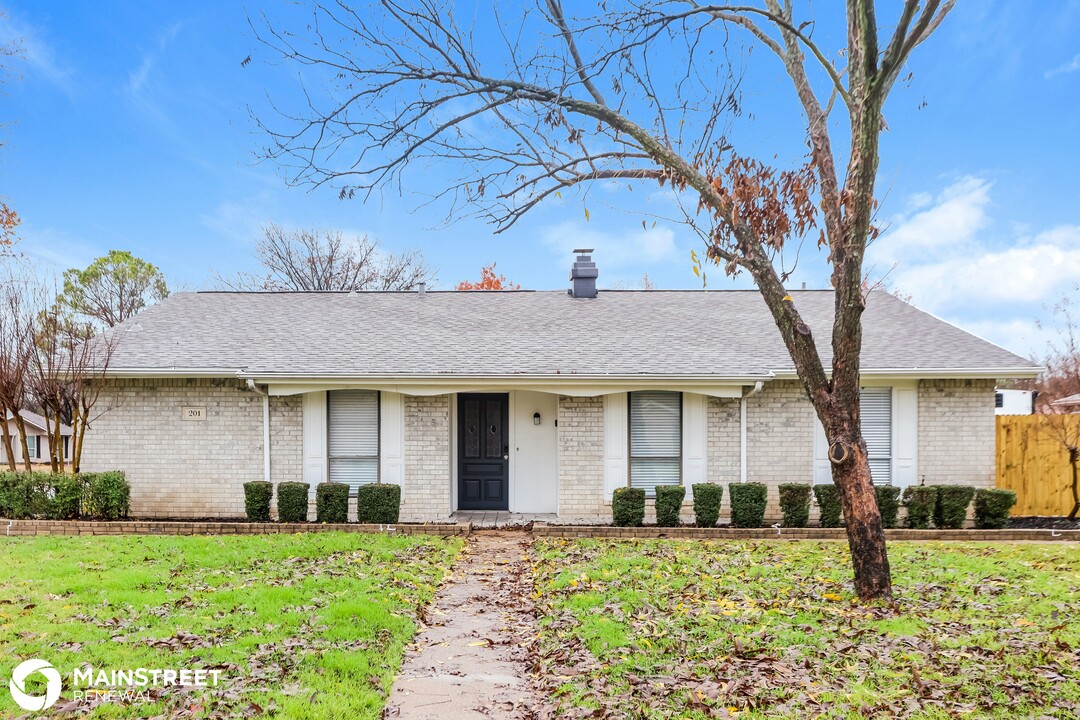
(129, 128)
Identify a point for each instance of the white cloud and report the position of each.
(992, 278)
(38, 55)
(240, 222)
(1069, 67)
(1023, 337)
(613, 249)
(934, 226)
(149, 97)
(944, 263)
(55, 249)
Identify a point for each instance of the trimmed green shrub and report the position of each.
(950, 511)
(62, 496)
(39, 492)
(888, 503)
(257, 494)
(992, 508)
(292, 501)
(628, 507)
(707, 498)
(828, 500)
(748, 504)
(378, 504)
(920, 501)
(109, 496)
(331, 502)
(669, 500)
(795, 504)
(68, 494)
(14, 496)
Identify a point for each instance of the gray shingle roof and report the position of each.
(40, 421)
(726, 334)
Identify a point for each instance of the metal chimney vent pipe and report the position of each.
(583, 275)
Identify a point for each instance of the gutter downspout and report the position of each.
(742, 429)
(266, 426)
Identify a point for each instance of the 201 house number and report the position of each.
(194, 413)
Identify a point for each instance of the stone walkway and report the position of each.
(501, 518)
(470, 659)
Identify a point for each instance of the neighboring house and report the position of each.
(1014, 402)
(37, 438)
(1070, 403)
(538, 402)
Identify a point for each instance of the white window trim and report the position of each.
(680, 458)
(377, 457)
(905, 436)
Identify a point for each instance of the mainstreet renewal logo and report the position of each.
(18, 685)
(119, 685)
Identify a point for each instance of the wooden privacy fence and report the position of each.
(1033, 462)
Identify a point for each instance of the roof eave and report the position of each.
(992, 373)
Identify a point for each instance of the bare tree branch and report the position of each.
(318, 260)
(635, 92)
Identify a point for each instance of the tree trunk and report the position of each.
(9, 449)
(78, 432)
(866, 535)
(21, 426)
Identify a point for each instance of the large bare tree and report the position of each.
(18, 312)
(311, 260)
(633, 91)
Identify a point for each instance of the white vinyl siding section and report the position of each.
(615, 442)
(655, 439)
(392, 439)
(353, 436)
(905, 436)
(314, 410)
(876, 414)
(695, 441)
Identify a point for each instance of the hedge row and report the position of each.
(945, 505)
(62, 496)
(831, 512)
(376, 504)
(747, 505)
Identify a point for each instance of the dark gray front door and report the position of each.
(483, 451)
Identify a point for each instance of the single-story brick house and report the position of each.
(37, 438)
(535, 402)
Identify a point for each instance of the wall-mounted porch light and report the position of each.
(536, 418)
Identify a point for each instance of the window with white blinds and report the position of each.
(876, 414)
(655, 439)
(353, 436)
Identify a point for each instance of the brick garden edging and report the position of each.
(695, 533)
(180, 527)
(18, 528)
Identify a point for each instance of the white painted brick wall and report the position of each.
(427, 486)
(186, 468)
(957, 432)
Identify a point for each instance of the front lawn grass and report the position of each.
(670, 629)
(301, 626)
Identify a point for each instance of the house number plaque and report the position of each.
(194, 413)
